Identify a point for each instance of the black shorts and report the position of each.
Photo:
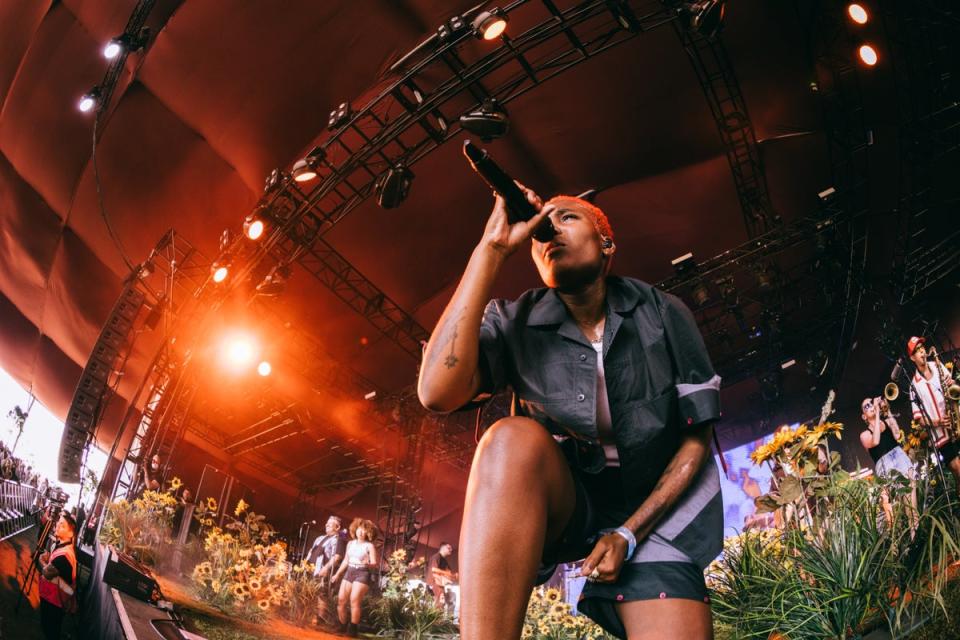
(358, 574)
(949, 451)
(600, 504)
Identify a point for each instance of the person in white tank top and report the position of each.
(359, 563)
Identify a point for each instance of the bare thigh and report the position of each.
(667, 619)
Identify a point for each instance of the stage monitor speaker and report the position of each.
(129, 576)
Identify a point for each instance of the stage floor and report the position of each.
(274, 629)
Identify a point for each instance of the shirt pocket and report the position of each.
(638, 423)
(639, 373)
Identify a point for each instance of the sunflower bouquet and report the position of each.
(550, 618)
(244, 573)
(798, 452)
(139, 527)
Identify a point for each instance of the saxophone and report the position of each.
(951, 397)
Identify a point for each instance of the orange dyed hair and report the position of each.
(600, 219)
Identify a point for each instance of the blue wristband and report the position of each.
(627, 535)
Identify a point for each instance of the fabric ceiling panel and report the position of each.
(41, 132)
(29, 235)
(259, 106)
(155, 178)
(19, 342)
(19, 20)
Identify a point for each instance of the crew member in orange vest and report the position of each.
(58, 577)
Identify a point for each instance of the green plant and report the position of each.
(139, 528)
(405, 613)
(849, 571)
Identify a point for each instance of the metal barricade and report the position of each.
(19, 505)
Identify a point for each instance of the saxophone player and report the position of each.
(929, 403)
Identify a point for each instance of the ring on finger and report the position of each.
(594, 574)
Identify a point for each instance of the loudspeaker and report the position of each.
(126, 574)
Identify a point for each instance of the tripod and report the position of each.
(32, 569)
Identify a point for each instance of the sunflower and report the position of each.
(211, 504)
(255, 584)
(552, 595)
(237, 590)
(241, 507)
(559, 610)
(263, 604)
(175, 483)
(527, 632)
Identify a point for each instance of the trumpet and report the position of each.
(891, 391)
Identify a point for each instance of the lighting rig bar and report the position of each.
(417, 111)
(849, 144)
(132, 32)
(714, 71)
(922, 38)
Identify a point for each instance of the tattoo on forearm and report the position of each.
(448, 335)
(451, 360)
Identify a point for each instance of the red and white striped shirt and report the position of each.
(930, 393)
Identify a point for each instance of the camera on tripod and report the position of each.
(55, 495)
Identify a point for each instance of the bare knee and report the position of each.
(516, 444)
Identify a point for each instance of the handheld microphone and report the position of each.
(897, 370)
(518, 207)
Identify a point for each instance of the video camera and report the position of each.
(56, 495)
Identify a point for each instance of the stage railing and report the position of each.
(18, 508)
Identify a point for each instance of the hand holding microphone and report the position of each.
(518, 212)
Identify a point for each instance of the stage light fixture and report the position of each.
(339, 116)
(868, 55)
(684, 264)
(490, 120)
(451, 28)
(490, 24)
(704, 16)
(89, 100)
(264, 368)
(273, 180)
(700, 293)
(304, 170)
(125, 42)
(275, 282)
(624, 15)
(253, 226)
(220, 272)
(858, 13)
(113, 48)
(393, 186)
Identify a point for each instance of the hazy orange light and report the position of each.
(264, 368)
(868, 55)
(239, 350)
(220, 274)
(858, 13)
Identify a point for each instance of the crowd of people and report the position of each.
(17, 470)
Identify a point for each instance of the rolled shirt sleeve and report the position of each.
(698, 385)
(492, 356)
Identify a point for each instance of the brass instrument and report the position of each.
(891, 391)
(951, 396)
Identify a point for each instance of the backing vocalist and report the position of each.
(607, 457)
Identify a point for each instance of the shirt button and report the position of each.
(583, 357)
(581, 397)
